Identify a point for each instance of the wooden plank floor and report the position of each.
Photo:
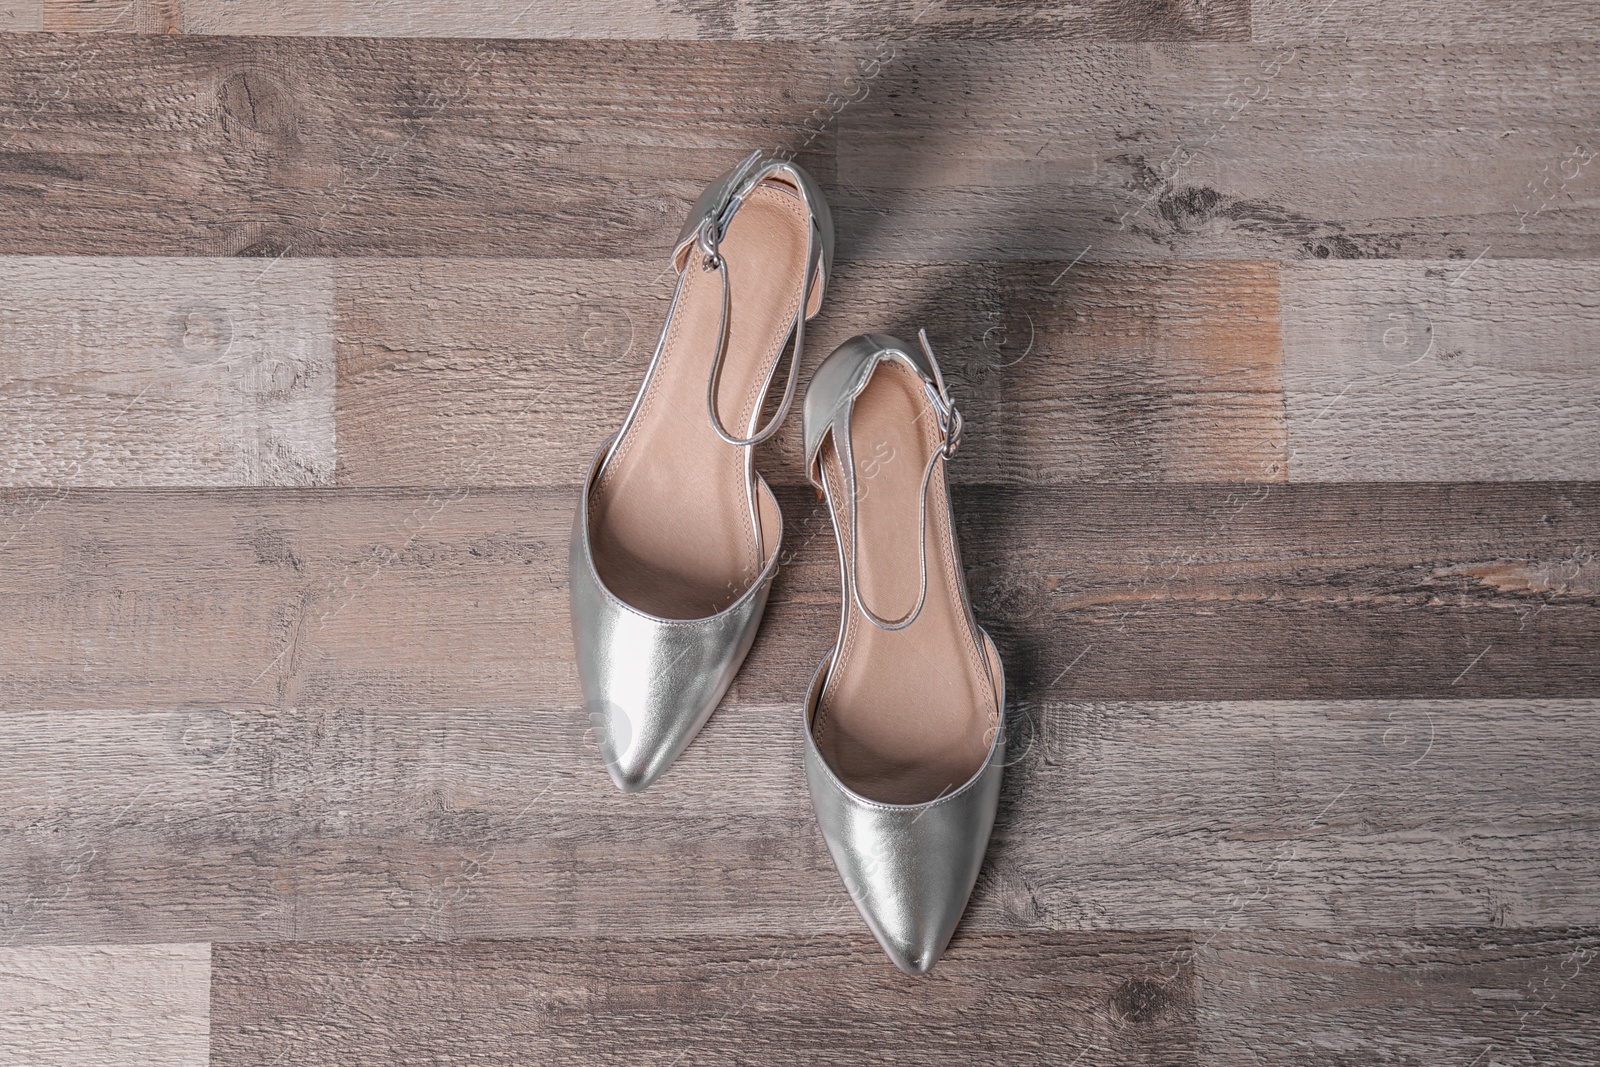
(1276, 331)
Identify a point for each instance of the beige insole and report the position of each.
(906, 715)
(671, 526)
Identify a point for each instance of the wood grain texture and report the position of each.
(266, 147)
(776, 1000)
(113, 16)
(1463, 22)
(1299, 773)
(175, 372)
(237, 822)
(957, 151)
(974, 150)
(1112, 20)
(451, 598)
(1486, 996)
(21, 16)
(104, 1005)
(511, 372)
(1431, 372)
(1347, 591)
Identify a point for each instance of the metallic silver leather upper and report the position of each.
(910, 868)
(649, 683)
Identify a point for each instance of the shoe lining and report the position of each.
(670, 515)
(906, 715)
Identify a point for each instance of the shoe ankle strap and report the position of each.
(703, 231)
(830, 401)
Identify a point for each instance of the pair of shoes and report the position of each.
(676, 542)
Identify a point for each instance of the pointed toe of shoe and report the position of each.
(916, 951)
(909, 867)
(633, 767)
(638, 743)
(633, 779)
(912, 898)
(650, 684)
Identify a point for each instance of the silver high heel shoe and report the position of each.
(905, 719)
(675, 541)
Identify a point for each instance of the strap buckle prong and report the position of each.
(944, 406)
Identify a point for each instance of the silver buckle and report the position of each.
(709, 238)
(943, 406)
(709, 244)
(950, 422)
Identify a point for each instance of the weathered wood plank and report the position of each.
(1432, 372)
(264, 147)
(1486, 996)
(1047, 151)
(21, 16)
(108, 1005)
(898, 20)
(1466, 21)
(511, 372)
(359, 147)
(1344, 591)
(113, 16)
(502, 372)
(1308, 814)
(450, 599)
(235, 822)
(777, 1000)
(165, 372)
